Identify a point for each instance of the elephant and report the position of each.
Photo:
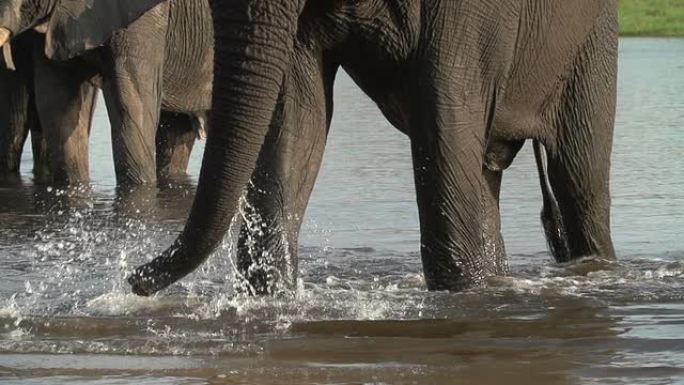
(18, 115)
(467, 81)
(66, 105)
(153, 61)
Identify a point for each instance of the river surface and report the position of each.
(361, 314)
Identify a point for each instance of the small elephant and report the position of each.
(18, 115)
(146, 55)
(467, 81)
(65, 104)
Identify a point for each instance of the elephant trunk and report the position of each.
(254, 39)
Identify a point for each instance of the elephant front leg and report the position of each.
(65, 102)
(448, 156)
(267, 241)
(284, 178)
(41, 156)
(133, 67)
(133, 107)
(498, 157)
(175, 138)
(494, 247)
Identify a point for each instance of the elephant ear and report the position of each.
(80, 25)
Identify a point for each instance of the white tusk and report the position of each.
(7, 54)
(6, 48)
(4, 36)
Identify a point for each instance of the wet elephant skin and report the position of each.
(467, 81)
(146, 55)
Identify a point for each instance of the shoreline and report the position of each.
(651, 18)
(655, 36)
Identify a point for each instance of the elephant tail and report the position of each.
(551, 218)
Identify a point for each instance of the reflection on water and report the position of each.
(361, 313)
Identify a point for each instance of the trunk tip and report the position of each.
(145, 282)
(159, 273)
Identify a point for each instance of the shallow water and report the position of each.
(361, 313)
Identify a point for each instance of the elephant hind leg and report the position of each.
(494, 247)
(175, 139)
(39, 148)
(579, 160)
(498, 157)
(447, 151)
(65, 102)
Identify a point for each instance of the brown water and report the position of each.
(361, 314)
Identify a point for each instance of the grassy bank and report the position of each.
(651, 17)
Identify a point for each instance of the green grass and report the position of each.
(651, 17)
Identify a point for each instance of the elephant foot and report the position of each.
(266, 256)
(266, 279)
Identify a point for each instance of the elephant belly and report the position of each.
(189, 65)
(187, 94)
(543, 65)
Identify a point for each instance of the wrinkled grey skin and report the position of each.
(468, 81)
(147, 55)
(66, 95)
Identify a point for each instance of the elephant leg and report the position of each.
(132, 89)
(447, 160)
(277, 198)
(579, 160)
(15, 120)
(39, 148)
(494, 247)
(65, 102)
(498, 157)
(175, 138)
(282, 183)
(41, 156)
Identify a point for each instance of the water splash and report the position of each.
(65, 292)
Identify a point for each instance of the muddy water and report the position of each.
(361, 313)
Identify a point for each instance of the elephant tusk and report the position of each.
(7, 54)
(4, 36)
(6, 48)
